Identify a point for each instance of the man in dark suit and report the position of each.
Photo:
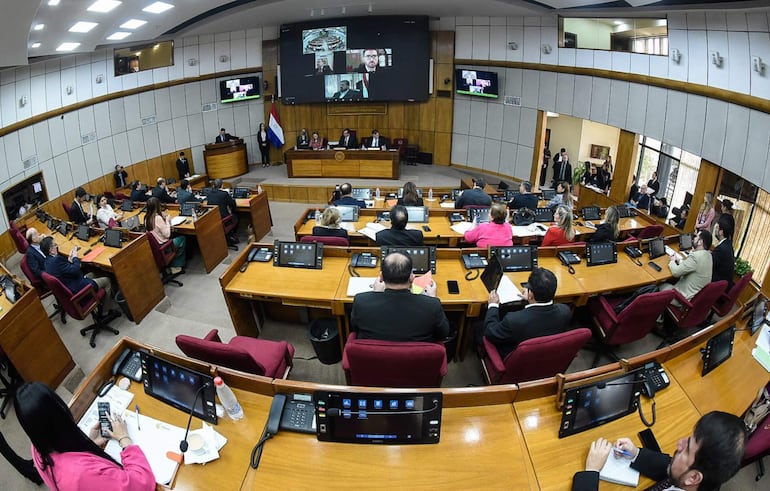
(346, 93)
(562, 169)
(226, 205)
(540, 317)
(397, 234)
(81, 211)
(392, 312)
(182, 166)
(475, 196)
(347, 140)
(525, 198)
(120, 176)
(161, 192)
(138, 191)
(723, 255)
(224, 136)
(347, 199)
(35, 257)
(184, 194)
(376, 141)
(704, 460)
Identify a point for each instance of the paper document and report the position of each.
(213, 442)
(448, 204)
(119, 400)
(178, 220)
(371, 230)
(672, 252)
(507, 291)
(526, 230)
(421, 282)
(349, 226)
(462, 227)
(618, 470)
(360, 285)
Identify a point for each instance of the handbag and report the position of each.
(758, 410)
(523, 216)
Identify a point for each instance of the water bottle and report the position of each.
(430, 194)
(317, 216)
(377, 193)
(228, 400)
(194, 215)
(259, 189)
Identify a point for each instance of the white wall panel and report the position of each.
(600, 100)
(56, 132)
(676, 112)
(254, 47)
(195, 126)
(584, 58)
(567, 56)
(523, 161)
(190, 53)
(655, 116)
(498, 45)
(757, 21)
(78, 167)
(192, 94)
(69, 81)
(166, 136)
(257, 115)
(759, 45)
(121, 146)
(527, 126)
(52, 90)
(697, 66)
(117, 116)
(84, 82)
(136, 145)
(637, 108)
(677, 39)
(4, 171)
(151, 141)
(37, 95)
(23, 90)
(755, 159)
(464, 42)
(210, 92)
(72, 131)
(480, 21)
(36, 69)
(176, 71)
(160, 75)
(206, 58)
(8, 104)
(716, 21)
(459, 149)
(513, 82)
(114, 84)
(714, 130)
(658, 65)
(602, 60)
(146, 105)
(132, 112)
(480, 43)
(618, 109)
(736, 138)
(42, 141)
(736, 21)
(739, 62)
(581, 104)
(491, 155)
(549, 36)
(718, 76)
(694, 124)
(547, 91)
(511, 120)
(27, 142)
(181, 132)
(107, 154)
(494, 121)
(162, 104)
(51, 182)
(241, 120)
(476, 152)
(13, 154)
(86, 120)
(531, 48)
(515, 34)
(222, 51)
(478, 123)
(225, 120)
(64, 176)
(530, 88)
(238, 50)
(95, 165)
(565, 88)
(508, 158)
(696, 20)
(621, 62)
(178, 101)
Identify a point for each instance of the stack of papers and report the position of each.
(462, 227)
(507, 291)
(618, 470)
(527, 230)
(761, 351)
(371, 230)
(360, 285)
(448, 204)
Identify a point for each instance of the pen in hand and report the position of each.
(138, 426)
(622, 452)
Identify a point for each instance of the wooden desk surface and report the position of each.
(623, 275)
(568, 287)
(440, 228)
(556, 460)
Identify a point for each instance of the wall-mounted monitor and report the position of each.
(476, 83)
(377, 58)
(239, 89)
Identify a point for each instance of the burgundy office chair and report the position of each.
(67, 208)
(650, 232)
(633, 323)
(163, 255)
(256, 356)
(725, 302)
(326, 240)
(535, 358)
(80, 304)
(42, 290)
(375, 363)
(230, 226)
(19, 240)
(692, 313)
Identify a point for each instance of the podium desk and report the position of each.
(348, 164)
(208, 231)
(228, 159)
(257, 208)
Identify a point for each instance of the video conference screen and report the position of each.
(239, 89)
(383, 58)
(476, 82)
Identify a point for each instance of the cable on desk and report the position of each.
(641, 414)
(353, 271)
(256, 453)
(470, 276)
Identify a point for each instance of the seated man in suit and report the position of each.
(226, 205)
(392, 312)
(705, 460)
(694, 272)
(525, 198)
(642, 198)
(376, 141)
(475, 196)
(303, 140)
(67, 270)
(81, 210)
(346, 93)
(35, 257)
(347, 199)
(120, 176)
(224, 136)
(161, 192)
(540, 317)
(182, 166)
(138, 191)
(347, 140)
(397, 234)
(185, 194)
(723, 255)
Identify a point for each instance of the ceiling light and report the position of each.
(53, 3)
(38, 27)
(158, 7)
(133, 24)
(138, 53)
(103, 5)
(67, 46)
(35, 45)
(83, 26)
(117, 36)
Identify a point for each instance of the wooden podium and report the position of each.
(224, 160)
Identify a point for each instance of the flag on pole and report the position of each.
(274, 129)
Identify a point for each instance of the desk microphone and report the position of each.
(183, 444)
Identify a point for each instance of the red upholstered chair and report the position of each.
(42, 290)
(326, 240)
(650, 232)
(725, 302)
(230, 224)
(693, 313)
(251, 355)
(375, 363)
(80, 304)
(66, 207)
(534, 358)
(633, 323)
(19, 240)
(163, 255)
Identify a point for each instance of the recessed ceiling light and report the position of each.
(158, 7)
(35, 45)
(53, 3)
(117, 36)
(103, 5)
(83, 26)
(38, 27)
(133, 24)
(67, 46)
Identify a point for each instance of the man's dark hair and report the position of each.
(217, 183)
(705, 236)
(562, 150)
(399, 217)
(80, 192)
(527, 186)
(542, 284)
(726, 225)
(116, 166)
(221, 129)
(396, 268)
(181, 154)
(481, 182)
(136, 184)
(184, 184)
(45, 245)
(346, 189)
(721, 438)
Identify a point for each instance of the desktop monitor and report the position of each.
(418, 214)
(543, 214)
(298, 254)
(548, 194)
(348, 213)
(657, 247)
(598, 253)
(592, 213)
(423, 257)
(480, 215)
(362, 193)
(685, 242)
(718, 349)
(515, 258)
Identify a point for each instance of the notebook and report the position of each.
(618, 470)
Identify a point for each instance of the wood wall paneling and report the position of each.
(625, 166)
(708, 176)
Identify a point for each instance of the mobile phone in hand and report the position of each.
(104, 418)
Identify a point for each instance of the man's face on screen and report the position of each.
(371, 58)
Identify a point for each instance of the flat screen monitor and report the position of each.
(21, 197)
(598, 253)
(516, 258)
(685, 242)
(511, 193)
(543, 214)
(176, 385)
(239, 89)
(418, 214)
(423, 257)
(63, 227)
(240, 193)
(657, 247)
(348, 213)
(718, 349)
(592, 405)
(298, 254)
(401, 192)
(82, 232)
(362, 193)
(623, 211)
(186, 209)
(480, 215)
(476, 83)
(592, 213)
(349, 59)
(492, 274)
(392, 418)
(548, 194)
(127, 205)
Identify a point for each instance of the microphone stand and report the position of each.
(183, 444)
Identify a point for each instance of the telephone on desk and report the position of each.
(655, 379)
(129, 364)
(363, 260)
(633, 252)
(474, 261)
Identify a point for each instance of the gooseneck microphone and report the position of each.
(183, 444)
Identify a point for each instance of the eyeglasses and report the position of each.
(371, 56)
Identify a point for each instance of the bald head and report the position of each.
(33, 236)
(397, 270)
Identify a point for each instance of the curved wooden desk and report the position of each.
(343, 163)
(228, 159)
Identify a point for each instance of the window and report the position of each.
(677, 170)
(755, 250)
(144, 57)
(643, 35)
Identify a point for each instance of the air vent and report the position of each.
(208, 107)
(148, 120)
(31, 161)
(512, 100)
(88, 138)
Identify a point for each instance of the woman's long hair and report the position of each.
(48, 423)
(708, 202)
(565, 221)
(410, 194)
(612, 218)
(566, 196)
(153, 209)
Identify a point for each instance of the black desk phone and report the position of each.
(363, 260)
(655, 379)
(260, 254)
(474, 261)
(633, 252)
(129, 364)
(568, 257)
(292, 412)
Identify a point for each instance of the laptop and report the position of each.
(543, 214)
(548, 194)
(113, 238)
(127, 205)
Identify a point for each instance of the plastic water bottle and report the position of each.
(377, 193)
(259, 189)
(430, 194)
(227, 398)
(194, 215)
(317, 216)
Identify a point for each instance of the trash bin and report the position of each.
(121, 301)
(324, 336)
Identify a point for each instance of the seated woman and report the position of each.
(67, 458)
(563, 232)
(608, 230)
(562, 197)
(105, 213)
(330, 224)
(316, 142)
(159, 226)
(410, 197)
(495, 233)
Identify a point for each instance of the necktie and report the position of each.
(346, 141)
(561, 170)
(661, 486)
(374, 144)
